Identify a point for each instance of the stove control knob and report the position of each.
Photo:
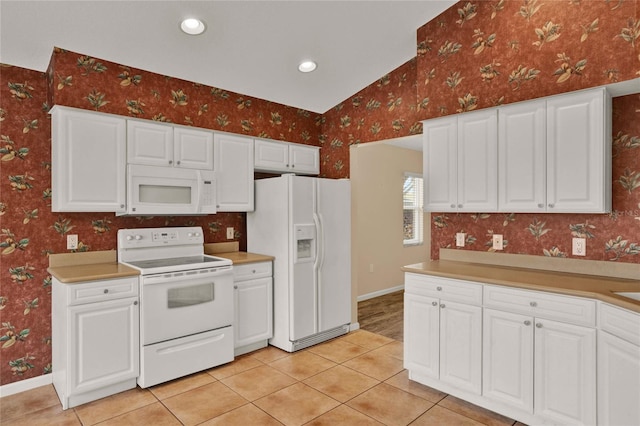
(190, 234)
(129, 238)
(138, 237)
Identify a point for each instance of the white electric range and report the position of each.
(186, 302)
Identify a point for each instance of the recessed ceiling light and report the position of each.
(192, 26)
(307, 66)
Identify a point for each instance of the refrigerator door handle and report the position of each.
(317, 219)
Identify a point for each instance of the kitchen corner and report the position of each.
(230, 250)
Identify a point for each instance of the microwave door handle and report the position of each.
(200, 191)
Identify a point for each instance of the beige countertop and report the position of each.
(240, 257)
(91, 272)
(600, 288)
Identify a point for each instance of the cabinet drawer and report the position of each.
(542, 305)
(99, 291)
(620, 322)
(443, 288)
(250, 271)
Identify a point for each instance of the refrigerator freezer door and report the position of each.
(333, 198)
(302, 287)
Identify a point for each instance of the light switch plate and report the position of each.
(497, 242)
(230, 233)
(579, 247)
(460, 236)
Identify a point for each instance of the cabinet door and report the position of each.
(271, 155)
(618, 381)
(461, 345)
(439, 152)
(103, 344)
(304, 159)
(579, 152)
(565, 372)
(253, 311)
(478, 161)
(193, 148)
(149, 143)
(88, 161)
(234, 173)
(522, 157)
(421, 335)
(507, 361)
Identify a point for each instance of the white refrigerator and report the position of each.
(305, 223)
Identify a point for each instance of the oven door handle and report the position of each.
(171, 277)
(190, 345)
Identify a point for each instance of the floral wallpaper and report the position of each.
(476, 54)
(384, 110)
(30, 230)
(480, 54)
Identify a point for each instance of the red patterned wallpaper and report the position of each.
(479, 54)
(30, 231)
(384, 110)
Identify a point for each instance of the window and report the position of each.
(412, 209)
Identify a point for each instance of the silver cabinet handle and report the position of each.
(459, 206)
(135, 303)
(293, 165)
(434, 303)
(170, 161)
(453, 206)
(538, 325)
(527, 322)
(442, 305)
(106, 290)
(235, 286)
(439, 288)
(254, 271)
(178, 162)
(287, 165)
(551, 205)
(533, 304)
(540, 206)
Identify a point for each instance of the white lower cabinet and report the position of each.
(253, 298)
(526, 359)
(443, 337)
(529, 355)
(95, 339)
(618, 367)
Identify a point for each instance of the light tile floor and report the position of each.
(356, 379)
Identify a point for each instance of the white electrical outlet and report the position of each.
(460, 236)
(579, 247)
(497, 242)
(229, 233)
(72, 242)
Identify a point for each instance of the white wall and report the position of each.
(377, 173)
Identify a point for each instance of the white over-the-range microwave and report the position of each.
(154, 190)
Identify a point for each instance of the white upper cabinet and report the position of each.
(304, 159)
(157, 144)
(522, 157)
(234, 173)
(286, 157)
(88, 161)
(547, 155)
(193, 148)
(579, 152)
(460, 162)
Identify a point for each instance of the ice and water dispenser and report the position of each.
(305, 236)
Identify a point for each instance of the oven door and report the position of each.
(182, 303)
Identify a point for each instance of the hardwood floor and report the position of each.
(383, 315)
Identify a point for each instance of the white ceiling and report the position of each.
(249, 47)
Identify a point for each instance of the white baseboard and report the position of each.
(380, 293)
(25, 385)
(354, 326)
